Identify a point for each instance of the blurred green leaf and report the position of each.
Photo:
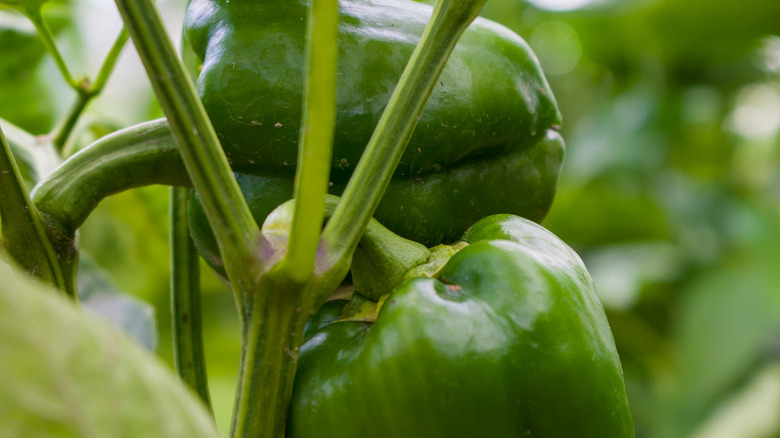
(621, 272)
(750, 413)
(25, 161)
(24, 99)
(725, 325)
(128, 236)
(24, 5)
(67, 375)
(130, 315)
(713, 32)
(611, 209)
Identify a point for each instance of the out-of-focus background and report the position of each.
(670, 191)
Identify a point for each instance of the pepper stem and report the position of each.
(86, 92)
(234, 227)
(316, 138)
(185, 300)
(269, 357)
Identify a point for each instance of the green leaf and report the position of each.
(24, 5)
(25, 162)
(129, 314)
(24, 98)
(726, 324)
(752, 412)
(65, 374)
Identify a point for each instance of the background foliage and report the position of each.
(670, 191)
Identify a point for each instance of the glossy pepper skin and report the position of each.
(507, 339)
(491, 98)
(486, 142)
(432, 210)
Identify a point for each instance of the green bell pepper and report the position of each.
(429, 211)
(505, 338)
(488, 127)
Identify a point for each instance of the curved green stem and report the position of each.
(388, 142)
(188, 353)
(316, 138)
(234, 228)
(138, 156)
(23, 233)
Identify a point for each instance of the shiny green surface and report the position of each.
(508, 340)
(429, 210)
(492, 96)
(486, 142)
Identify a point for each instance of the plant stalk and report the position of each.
(188, 355)
(287, 295)
(316, 138)
(394, 130)
(269, 358)
(86, 92)
(23, 234)
(35, 16)
(236, 232)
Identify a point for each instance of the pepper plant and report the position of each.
(495, 330)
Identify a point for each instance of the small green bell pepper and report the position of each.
(505, 338)
(486, 142)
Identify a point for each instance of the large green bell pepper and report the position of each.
(486, 142)
(506, 338)
(430, 211)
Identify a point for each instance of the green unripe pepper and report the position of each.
(506, 338)
(431, 210)
(486, 142)
(492, 96)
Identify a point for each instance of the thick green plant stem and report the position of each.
(23, 233)
(269, 357)
(188, 353)
(289, 292)
(236, 232)
(316, 138)
(388, 142)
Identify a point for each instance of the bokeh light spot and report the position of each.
(770, 53)
(557, 45)
(559, 5)
(757, 112)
